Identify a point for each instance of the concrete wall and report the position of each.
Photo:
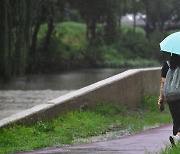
(125, 88)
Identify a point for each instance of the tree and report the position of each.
(98, 11)
(134, 6)
(111, 21)
(158, 12)
(91, 11)
(175, 15)
(44, 13)
(14, 36)
(38, 18)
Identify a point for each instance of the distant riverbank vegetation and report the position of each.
(70, 50)
(51, 36)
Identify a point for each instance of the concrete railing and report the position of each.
(125, 88)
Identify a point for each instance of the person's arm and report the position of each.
(161, 97)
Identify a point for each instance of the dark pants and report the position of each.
(174, 108)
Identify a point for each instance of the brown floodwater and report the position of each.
(26, 92)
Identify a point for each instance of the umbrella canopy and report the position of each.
(171, 43)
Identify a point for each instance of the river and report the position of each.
(26, 92)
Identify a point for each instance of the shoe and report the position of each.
(171, 139)
(174, 140)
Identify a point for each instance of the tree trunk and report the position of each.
(2, 33)
(147, 28)
(110, 28)
(5, 36)
(87, 30)
(134, 22)
(34, 39)
(119, 21)
(93, 31)
(40, 17)
(48, 34)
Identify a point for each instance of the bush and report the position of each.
(69, 48)
(154, 47)
(66, 49)
(136, 43)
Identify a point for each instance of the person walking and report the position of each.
(174, 106)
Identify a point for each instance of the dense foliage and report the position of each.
(34, 37)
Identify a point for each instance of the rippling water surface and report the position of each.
(26, 92)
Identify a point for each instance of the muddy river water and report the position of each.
(26, 92)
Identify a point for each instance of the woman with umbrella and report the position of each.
(171, 44)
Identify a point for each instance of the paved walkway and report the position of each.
(150, 141)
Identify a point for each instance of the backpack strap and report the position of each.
(168, 63)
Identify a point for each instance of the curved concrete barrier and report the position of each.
(125, 88)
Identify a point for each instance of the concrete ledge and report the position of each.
(125, 88)
(25, 115)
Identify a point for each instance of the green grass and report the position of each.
(171, 150)
(66, 50)
(71, 34)
(117, 56)
(90, 121)
(138, 29)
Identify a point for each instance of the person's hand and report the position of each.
(161, 103)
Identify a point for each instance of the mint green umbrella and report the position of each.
(171, 43)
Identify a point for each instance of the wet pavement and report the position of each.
(150, 141)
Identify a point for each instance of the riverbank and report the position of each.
(28, 91)
(88, 121)
(70, 50)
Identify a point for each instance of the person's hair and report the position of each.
(174, 61)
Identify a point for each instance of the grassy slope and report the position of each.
(81, 124)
